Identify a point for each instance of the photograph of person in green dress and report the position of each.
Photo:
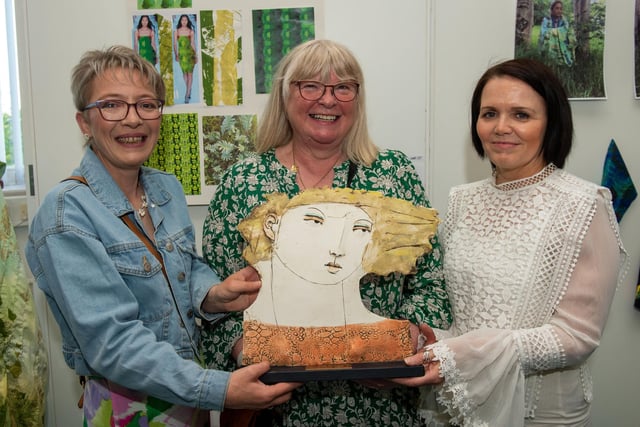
(185, 56)
(145, 37)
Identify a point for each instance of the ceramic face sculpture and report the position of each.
(311, 252)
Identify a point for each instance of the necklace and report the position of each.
(295, 169)
(143, 209)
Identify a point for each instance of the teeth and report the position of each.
(324, 117)
(130, 140)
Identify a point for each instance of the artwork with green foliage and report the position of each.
(226, 139)
(23, 360)
(579, 42)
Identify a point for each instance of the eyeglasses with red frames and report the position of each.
(114, 110)
(313, 91)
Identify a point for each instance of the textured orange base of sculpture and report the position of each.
(384, 341)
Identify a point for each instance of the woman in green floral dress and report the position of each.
(314, 134)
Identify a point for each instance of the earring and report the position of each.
(86, 137)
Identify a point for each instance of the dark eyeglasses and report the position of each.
(114, 110)
(313, 91)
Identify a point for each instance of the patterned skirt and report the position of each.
(109, 405)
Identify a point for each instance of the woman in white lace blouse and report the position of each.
(532, 259)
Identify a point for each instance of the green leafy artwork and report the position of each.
(226, 139)
(23, 358)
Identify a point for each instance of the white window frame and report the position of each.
(14, 183)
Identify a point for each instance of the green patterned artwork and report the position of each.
(178, 150)
(163, 4)
(221, 56)
(276, 32)
(226, 139)
(166, 57)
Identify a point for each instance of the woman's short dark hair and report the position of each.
(558, 135)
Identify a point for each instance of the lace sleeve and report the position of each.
(577, 323)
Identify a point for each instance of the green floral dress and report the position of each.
(421, 298)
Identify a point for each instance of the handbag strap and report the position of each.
(147, 242)
(353, 168)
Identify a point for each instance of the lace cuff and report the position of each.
(483, 379)
(453, 392)
(539, 349)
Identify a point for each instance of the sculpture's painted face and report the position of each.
(336, 237)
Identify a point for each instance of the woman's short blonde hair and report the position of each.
(401, 231)
(96, 63)
(305, 62)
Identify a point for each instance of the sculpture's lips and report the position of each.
(333, 268)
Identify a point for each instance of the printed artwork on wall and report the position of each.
(186, 80)
(217, 65)
(152, 39)
(178, 150)
(222, 56)
(275, 32)
(145, 37)
(568, 36)
(226, 139)
(163, 4)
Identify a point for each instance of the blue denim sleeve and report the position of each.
(201, 278)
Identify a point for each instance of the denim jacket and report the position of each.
(107, 291)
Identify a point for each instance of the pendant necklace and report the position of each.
(143, 207)
(295, 169)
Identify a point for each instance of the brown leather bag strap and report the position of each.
(143, 237)
(77, 178)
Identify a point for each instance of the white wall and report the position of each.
(421, 59)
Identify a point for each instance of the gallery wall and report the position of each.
(421, 59)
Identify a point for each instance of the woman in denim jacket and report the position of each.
(114, 252)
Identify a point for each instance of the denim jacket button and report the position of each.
(181, 276)
(169, 246)
(190, 313)
(146, 264)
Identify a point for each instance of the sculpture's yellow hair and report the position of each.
(401, 230)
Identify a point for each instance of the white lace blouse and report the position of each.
(531, 269)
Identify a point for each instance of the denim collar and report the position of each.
(107, 191)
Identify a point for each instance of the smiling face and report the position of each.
(326, 121)
(322, 243)
(122, 146)
(511, 126)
